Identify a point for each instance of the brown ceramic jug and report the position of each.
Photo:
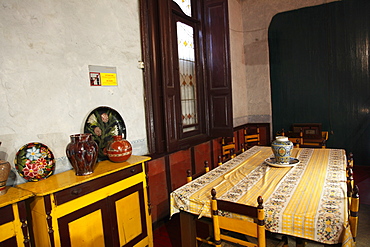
(82, 153)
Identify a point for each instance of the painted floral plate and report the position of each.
(104, 123)
(272, 162)
(34, 161)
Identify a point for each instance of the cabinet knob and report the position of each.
(133, 170)
(76, 192)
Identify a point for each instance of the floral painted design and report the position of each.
(324, 221)
(182, 194)
(276, 203)
(34, 161)
(104, 123)
(330, 213)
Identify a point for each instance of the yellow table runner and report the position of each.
(307, 200)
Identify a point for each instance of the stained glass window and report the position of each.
(188, 84)
(185, 6)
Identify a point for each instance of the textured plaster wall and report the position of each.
(249, 22)
(238, 72)
(46, 47)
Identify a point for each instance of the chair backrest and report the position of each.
(353, 213)
(350, 184)
(190, 177)
(350, 162)
(255, 229)
(325, 135)
(311, 134)
(251, 139)
(350, 180)
(227, 148)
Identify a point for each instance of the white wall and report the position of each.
(238, 72)
(249, 22)
(46, 47)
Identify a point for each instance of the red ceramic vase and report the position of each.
(119, 149)
(82, 153)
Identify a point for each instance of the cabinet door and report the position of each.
(129, 216)
(118, 220)
(7, 229)
(88, 226)
(14, 225)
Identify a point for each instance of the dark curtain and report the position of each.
(319, 62)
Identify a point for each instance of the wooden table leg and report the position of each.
(188, 230)
(300, 242)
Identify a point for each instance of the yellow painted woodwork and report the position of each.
(353, 221)
(40, 228)
(87, 230)
(261, 235)
(128, 216)
(14, 195)
(127, 209)
(17, 224)
(13, 228)
(68, 179)
(226, 149)
(242, 226)
(6, 231)
(95, 196)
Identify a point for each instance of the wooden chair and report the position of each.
(312, 142)
(350, 161)
(325, 137)
(227, 148)
(222, 223)
(353, 213)
(190, 177)
(251, 139)
(350, 184)
(353, 198)
(307, 135)
(295, 138)
(350, 180)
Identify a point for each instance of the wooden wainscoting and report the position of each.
(167, 173)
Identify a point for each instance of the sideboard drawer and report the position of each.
(74, 192)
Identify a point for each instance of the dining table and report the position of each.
(306, 199)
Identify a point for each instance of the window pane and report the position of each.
(185, 6)
(187, 76)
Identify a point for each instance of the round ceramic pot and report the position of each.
(4, 174)
(82, 153)
(282, 148)
(119, 149)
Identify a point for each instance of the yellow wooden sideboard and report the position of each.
(106, 208)
(14, 225)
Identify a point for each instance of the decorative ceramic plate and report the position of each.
(34, 161)
(104, 123)
(272, 162)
